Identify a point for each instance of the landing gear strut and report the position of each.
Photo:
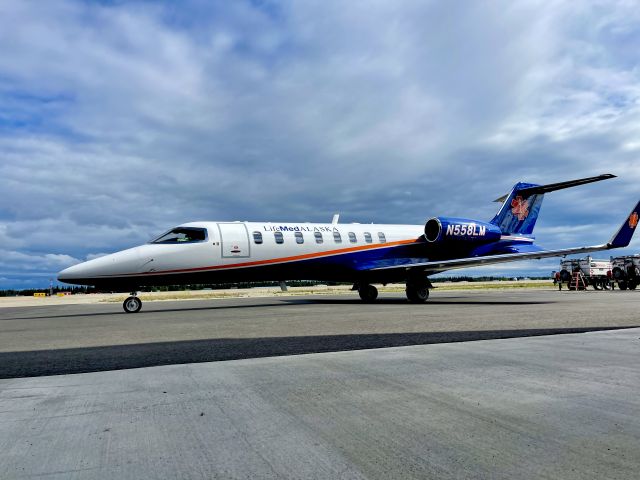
(132, 304)
(368, 293)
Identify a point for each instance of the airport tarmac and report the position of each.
(81, 338)
(561, 406)
(408, 404)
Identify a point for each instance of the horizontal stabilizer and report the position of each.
(552, 187)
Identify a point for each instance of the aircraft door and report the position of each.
(234, 239)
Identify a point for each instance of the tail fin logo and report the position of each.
(633, 219)
(520, 208)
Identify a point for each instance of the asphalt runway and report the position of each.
(36, 341)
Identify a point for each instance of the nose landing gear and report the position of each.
(132, 304)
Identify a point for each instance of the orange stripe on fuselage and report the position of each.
(274, 260)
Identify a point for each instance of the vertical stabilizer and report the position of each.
(519, 212)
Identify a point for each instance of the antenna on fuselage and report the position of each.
(335, 219)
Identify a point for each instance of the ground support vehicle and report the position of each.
(625, 271)
(577, 273)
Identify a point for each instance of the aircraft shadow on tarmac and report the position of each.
(117, 310)
(283, 302)
(403, 301)
(117, 357)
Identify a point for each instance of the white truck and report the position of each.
(596, 273)
(626, 271)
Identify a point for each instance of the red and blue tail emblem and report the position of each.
(520, 208)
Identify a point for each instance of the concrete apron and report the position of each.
(563, 406)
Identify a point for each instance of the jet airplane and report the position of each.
(362, 254)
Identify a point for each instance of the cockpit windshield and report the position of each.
(183, 235)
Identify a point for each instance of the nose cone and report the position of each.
(70, 273)
(110, 266)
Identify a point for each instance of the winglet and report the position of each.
(623, 237)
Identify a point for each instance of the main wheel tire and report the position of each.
(132, 305)
(622, 284)
(632, 285)
(368, 293)
(417, 293)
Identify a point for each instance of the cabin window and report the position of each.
(278, 236)
(299, 237)
(367, 237)
(352, 237)
(336, 237)
(318, 236)
(381, 237)
(183, 235)
(257, 238)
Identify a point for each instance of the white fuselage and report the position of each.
(270, 248)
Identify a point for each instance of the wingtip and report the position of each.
(623, 236)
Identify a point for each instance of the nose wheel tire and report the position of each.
(132, 305)
(417, 293)
(368, 293)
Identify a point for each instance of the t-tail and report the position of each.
(520, 208)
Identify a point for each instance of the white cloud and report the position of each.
(15, 262)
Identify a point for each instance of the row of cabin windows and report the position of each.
(337, 238)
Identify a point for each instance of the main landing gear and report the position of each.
(368, 293)
(132, 304)
(417, 291)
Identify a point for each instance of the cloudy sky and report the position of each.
(119, 120)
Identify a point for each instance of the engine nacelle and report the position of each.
(441, 229)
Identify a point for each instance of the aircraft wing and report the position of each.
(620, 239)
